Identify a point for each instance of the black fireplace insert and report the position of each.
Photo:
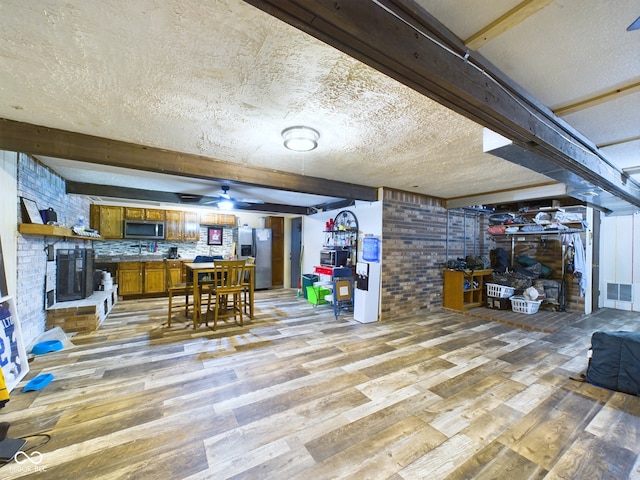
(74, 274)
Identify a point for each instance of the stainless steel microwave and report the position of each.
(335, 258)
(144, 230)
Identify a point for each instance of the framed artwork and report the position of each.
(214, 236)
(30, 211)
(13, 356)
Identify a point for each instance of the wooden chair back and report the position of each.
(231, 274)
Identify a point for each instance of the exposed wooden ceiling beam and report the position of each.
(125, 193)
(50, 142)
(618, 142)
(598, 100)
(513, 17)
(396, 38)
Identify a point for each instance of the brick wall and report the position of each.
(419, 236)
(36, 275)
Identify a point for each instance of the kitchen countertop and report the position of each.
(150, 257)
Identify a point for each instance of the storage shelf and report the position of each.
(455, 295)
(51, 231)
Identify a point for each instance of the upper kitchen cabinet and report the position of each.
(107, 220)
(191, 232)
(135, 213)
(173, 229)
(182, 226)
(218, 219)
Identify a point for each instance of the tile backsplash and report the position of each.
(186, 250)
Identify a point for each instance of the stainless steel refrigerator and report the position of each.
(256, 242)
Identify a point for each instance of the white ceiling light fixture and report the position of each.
(300, 139)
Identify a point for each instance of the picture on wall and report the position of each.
(30, 212)
(13, 356)
(215, 236)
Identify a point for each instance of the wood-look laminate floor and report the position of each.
(297, 394)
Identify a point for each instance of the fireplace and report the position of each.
(74, 274)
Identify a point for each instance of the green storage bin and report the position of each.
(316, 295)
(308, 280)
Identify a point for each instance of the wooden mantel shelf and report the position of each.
(51, 231)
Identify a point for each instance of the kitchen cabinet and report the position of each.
(464, 289)
(173, 229)
(137, 278)
(135, 213)
(181, 226)
(107, 220)
(130, 278)
(176, 271)
(154, 278)
(218, 219)
(191, 227)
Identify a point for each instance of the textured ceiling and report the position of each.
(222, 79)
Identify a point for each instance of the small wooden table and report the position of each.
(199, 268)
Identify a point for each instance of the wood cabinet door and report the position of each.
(107, 219)
(136, 213)
(130, 278)
(154, 214)
(133, 213)
(175, 270)
(173, 225)
(154, 277)
(191, 229)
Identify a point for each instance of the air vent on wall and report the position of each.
(622, 292)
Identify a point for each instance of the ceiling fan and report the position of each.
(225, 201)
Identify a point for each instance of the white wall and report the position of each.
(620, 259)
(369, 215)
(9, 215)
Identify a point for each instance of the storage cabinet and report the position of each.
(135, 213)
(176, 271)
(130, 278)
(137, 278)
(154, 278)
(190, 227)
(173, 225)
(181, 226)
(218, 219)
(107, 220)
(464, 289)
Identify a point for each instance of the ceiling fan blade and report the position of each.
(635, 25)
(249, 200)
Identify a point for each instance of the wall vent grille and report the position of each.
(622, 292)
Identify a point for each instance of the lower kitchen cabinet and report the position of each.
(154, 278)
(137, 278)
(130, 278)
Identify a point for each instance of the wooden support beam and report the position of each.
(51, 142)
(400, 39)
(598, 100)
(126, 193)
(513, 17)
